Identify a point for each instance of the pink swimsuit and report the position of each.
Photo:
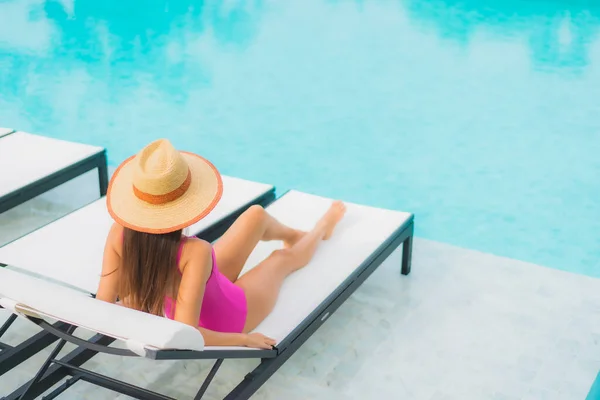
(224, 305)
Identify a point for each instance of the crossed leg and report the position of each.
(255, 224)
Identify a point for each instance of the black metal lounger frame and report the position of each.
(10, 356)
(53, 370)
(34, 189)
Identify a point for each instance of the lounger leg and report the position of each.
(26, 394)
(3, 329)
(407, 246)
(62, 388)
(255, 379)
(56, 373)
(407, 255)
(7, 324)
(209, 378)
(11, 357)
(103, 174)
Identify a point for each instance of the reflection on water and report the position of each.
(90, 31)
(155, 20)
(486, 125)
(559, 32)
(35, 31)
(110, 53)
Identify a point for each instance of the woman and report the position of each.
(151, 266)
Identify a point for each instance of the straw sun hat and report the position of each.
(161, 190)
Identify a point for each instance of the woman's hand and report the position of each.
(258, 341)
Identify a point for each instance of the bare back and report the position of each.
(194, 268)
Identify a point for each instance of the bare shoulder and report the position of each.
(116, 232)
(197, 255)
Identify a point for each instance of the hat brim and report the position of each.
(203, 194)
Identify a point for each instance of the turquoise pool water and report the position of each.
(594, 393)
(481, 116)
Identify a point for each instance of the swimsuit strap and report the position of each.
(179, 251)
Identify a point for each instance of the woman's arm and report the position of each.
(257, 340)
(109, 280)
(212, 338)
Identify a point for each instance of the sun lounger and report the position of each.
(33, 164)
(69, 250)
(362, 241)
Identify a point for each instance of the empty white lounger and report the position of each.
(38, 164)
(361, 242)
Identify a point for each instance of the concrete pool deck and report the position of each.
(462, 325)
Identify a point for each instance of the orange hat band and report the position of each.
(167, 197)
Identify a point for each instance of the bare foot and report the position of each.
(291, 241)
(331, 218)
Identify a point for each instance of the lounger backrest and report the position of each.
(70, 249)
(137, 329)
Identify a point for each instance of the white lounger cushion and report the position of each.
(137, 329)
(70, 250)
(30, 158)
(358, 235)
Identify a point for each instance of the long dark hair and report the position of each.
(148, 269)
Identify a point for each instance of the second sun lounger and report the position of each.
(362, 241)
(32, 164)
(69, 250)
